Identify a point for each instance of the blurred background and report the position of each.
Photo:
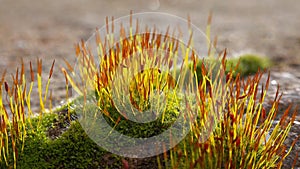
(32, 29)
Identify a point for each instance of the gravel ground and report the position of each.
(49, 29)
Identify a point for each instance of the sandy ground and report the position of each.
(49, 29)
(31, 29)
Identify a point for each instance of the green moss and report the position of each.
(73, 149)
(248, 64)
(148, 129)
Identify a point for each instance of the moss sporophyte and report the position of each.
(146, 87)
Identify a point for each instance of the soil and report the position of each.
(49, 29)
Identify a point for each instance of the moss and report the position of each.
(249, 64)
(46, 146)
(72, 149)
(148, 129)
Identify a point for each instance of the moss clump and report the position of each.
(247, 64)
(148, 129)
(72, 149)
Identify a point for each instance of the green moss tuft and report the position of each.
(72, 149)
(249, 64)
